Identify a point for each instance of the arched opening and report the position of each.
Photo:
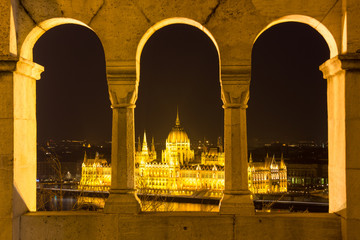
(178, 67)
(73, 113)
(287, 114)
(72, 91)
(72, 103)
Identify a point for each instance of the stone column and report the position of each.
(343, 94)
(235, 82)
(7, 67)
(123, 94)
(17, 141)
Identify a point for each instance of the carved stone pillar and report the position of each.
(235, 82)
(17, 141)
(25, 133)
(7, 67)
(123, 94)
(343, 99)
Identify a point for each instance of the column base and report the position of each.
(237, 202)
(122, 201)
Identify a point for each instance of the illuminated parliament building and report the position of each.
(179, 174)
(95, 174)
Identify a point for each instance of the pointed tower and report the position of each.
(267, 161)
(273, 164)
(282, 163)
(97, 158)
(152, 145)
(145, 149)
(177, 122)
(85, 158)
(220, 145)
(250, 158)
(139, 144)
(152, 153)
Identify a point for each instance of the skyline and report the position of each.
(185, 56)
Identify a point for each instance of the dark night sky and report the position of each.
(72, 95)
(287, 91)
(179, 67)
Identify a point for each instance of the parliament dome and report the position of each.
(177, 134)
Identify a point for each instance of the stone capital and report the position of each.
(235, 82)
(123, 84)
(340, 63)
(29, 69)
(21, 66)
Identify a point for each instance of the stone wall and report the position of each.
(233, 25)
(87, 226)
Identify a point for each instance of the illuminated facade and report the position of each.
(177, 149)
(267, 177)
(95, 174)
(178, 174)
(213, 156)
(143, 154)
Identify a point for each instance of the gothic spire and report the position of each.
(177, 122)
(85, 158)
(282, 164)
(144, 146)
(152, 145)
(273, 160)
(220, 144)
(139, 144)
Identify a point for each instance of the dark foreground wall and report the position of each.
(87, 225)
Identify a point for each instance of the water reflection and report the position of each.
(156, 206)
(50, 202)
(53, 201)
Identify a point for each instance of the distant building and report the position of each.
(178, 174)
(306, 163)
(267, 177)
(177, 148)
(143, 154)
(213, 156)
(307, 176)
(95, 174)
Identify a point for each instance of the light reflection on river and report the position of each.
(96, 203)
(150, 206)
(52, 202)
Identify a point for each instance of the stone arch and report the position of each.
(25, 129)
(312, 22)
(26, 51)
(164, 23)
(336, 163)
